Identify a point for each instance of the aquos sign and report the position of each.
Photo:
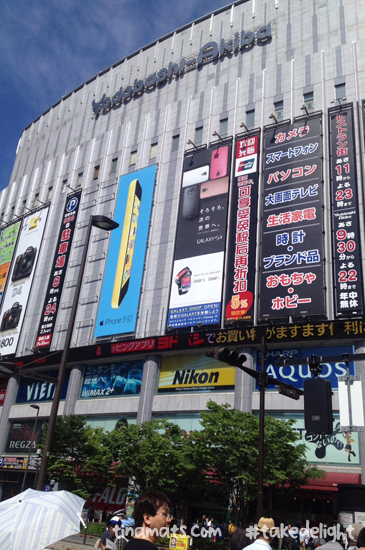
(211, 51)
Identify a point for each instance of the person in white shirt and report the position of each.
(266, 534)
(334, 536)
(352, 534)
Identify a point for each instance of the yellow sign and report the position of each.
(179, 542)
(194, 373)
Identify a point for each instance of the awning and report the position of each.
(331, 481)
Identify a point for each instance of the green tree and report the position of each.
(156, 455)
(227, 448)
(80, 457)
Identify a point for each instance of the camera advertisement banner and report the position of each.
(58, 273)
(121, 290)
(297, 374)
(292, 259)
(30, 391)
(8, 238)
(194, 373)
(347, 265)
(197, 277)
(240, 281)
(21, 277)
(112, 380)
(20, 437)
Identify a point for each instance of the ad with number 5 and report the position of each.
(21, 278)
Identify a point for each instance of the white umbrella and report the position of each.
(32, 520)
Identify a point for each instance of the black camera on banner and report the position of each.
(24, 264)
(11, 317)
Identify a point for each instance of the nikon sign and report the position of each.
(194, 373)
(211, 51)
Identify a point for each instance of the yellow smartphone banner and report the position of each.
(179, 542)
(194, 373)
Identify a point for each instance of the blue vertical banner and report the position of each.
(121, 290)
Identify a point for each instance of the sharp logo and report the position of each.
(209, 52)
(191, 376)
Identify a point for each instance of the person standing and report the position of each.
(109, 533)
(151, 515)
(266, 533)
(91, 514)
(104, 515)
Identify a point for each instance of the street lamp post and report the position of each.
(107, 224)
(30, 446)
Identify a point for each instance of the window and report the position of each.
(250, 118)
(22, 208)
(175, 142)
(49, 193)
(133, 157)
(12, 212)
(308, 100)
(153, 151)
(223, 127)
(199, 134)
(96, 172)
(35, 200)
(340, 91)
(278, 108)
(113, 166)
(80, 175)
(63, 189)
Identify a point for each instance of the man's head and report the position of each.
(334, 531)
(114, 524)
(266, 529)
(353, 531)
(151, 510)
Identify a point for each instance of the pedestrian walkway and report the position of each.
(75, 542)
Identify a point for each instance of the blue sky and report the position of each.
(49, 47)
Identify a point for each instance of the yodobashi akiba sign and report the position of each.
(211, 51)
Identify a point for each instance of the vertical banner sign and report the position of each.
(240, 282)
(58, 273)
(8, 238)
(196, 286)
(292, 266)
(21, 278)
(347, 263)
(121, 290)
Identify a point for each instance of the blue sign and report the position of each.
(34, 392)
(47, 488)
(295, 375)
(71, 205)
(124, 269)
(112, 380)
(1, 462)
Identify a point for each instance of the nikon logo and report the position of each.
(191, 376)
(211, 51)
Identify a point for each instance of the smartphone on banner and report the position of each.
(127, 243)
(198, 175)
(190, 206)
(219, 163)
(212, 188)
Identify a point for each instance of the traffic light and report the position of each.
(318, 406)
(232, 358)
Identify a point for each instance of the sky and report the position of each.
(49, 47)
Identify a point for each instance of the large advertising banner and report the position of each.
(112, 380)
(35, 392)
(340, 448)
(8, 238)
(194, 373)
(20, 437)
(240, 280)
(124, 269)
(197, 277)
(3, 386)
(292, 259)
(58, 273)
(297, 374)
(22, 273)
(347, 270)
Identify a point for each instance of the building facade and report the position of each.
(230, 152)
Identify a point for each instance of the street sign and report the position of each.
(47, 488)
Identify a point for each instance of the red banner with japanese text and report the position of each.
(57, 276)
